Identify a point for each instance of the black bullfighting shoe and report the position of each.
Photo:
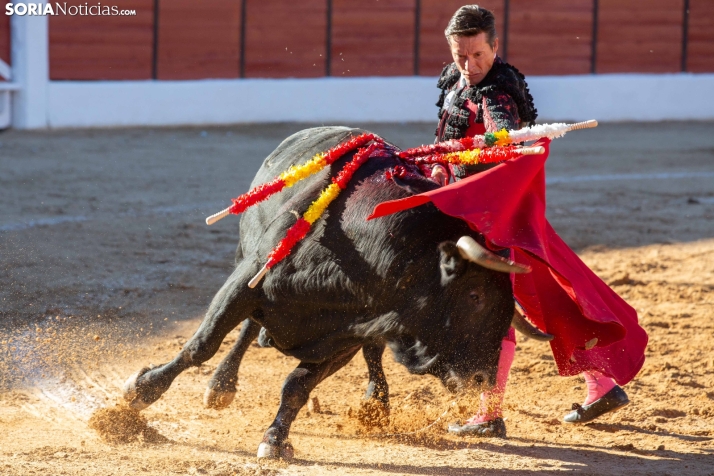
(611, 401)
(489, 429)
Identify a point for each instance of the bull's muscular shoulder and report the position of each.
(264, 225)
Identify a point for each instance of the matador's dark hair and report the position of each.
(470, 20)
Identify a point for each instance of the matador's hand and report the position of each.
(439, 175)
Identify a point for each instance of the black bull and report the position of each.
(398, 281)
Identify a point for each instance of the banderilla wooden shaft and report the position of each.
(217, 216)
(256, 279)
(531, 150)
(583, 125)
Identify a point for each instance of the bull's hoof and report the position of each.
(130, 392)
(217, 399)
(284, 451)
(495, 428)
(264, 340)
(377, 392)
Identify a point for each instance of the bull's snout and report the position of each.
(480, 381)
(453, 384)
(483, 381)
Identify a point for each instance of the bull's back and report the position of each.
(264, 225)
(299, 148)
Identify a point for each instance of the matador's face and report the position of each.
(473, 55)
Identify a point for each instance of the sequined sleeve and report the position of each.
(500, 112)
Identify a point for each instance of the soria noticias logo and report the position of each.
(61, 8)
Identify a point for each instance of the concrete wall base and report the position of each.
(615, 97)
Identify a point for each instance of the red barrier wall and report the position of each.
(640, 36)
(373, 37)
(700, 48)
(198, 39)
(285, 38)
(4, 34)
(551, 36)
(103, 47)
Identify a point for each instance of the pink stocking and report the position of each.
(492, 401)
(598, 385)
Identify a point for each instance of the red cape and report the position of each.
(561, 295)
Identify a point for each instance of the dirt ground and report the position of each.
(106, 266)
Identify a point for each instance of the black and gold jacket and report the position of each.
(503, 93)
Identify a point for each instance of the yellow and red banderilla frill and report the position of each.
(491, 148)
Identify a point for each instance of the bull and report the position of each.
(416, 282)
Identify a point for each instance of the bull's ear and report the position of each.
(451, 264)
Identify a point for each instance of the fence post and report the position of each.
(31, 70)
(685, 35)
(593, 46)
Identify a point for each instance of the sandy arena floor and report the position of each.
(106, 266)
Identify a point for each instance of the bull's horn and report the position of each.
(425, 367)
(522, 325)
(472, 251)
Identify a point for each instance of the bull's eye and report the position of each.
(474, 297)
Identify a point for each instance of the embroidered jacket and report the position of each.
(500, 101)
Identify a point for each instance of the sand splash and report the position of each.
(123, 424)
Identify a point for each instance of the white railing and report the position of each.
(6, 89)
